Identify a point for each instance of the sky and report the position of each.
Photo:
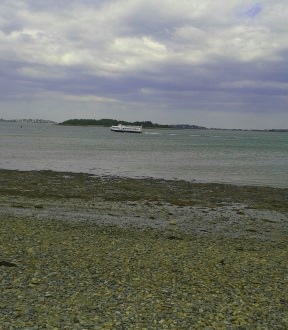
(213, 63)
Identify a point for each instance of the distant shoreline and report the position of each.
(153, 126)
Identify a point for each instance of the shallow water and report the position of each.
(245, 158)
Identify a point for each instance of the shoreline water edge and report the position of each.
(85, 252)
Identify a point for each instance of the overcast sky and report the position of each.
(214, 63)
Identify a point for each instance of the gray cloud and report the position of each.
(149, 60)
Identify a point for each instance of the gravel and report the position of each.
(82, 252)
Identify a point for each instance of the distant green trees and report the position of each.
(110, 122)
(114, 122)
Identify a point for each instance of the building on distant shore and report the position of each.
(42, 121)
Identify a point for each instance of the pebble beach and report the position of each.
(85, 252)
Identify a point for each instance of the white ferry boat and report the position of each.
(126, 129)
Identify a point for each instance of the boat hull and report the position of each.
(126, 129)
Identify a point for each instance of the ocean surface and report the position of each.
(236, 157)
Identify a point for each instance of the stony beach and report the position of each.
(86, 252)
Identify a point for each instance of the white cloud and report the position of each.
(87, 98)
(137, 53)
(108, 34)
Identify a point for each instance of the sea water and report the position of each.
(236, 157)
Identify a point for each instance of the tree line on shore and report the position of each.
(111, 122)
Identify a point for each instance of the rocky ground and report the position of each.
(85, 252)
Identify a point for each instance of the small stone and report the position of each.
(38, 206)
(75, 319)
(172, 222)
(35, 281)
(30, 250)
